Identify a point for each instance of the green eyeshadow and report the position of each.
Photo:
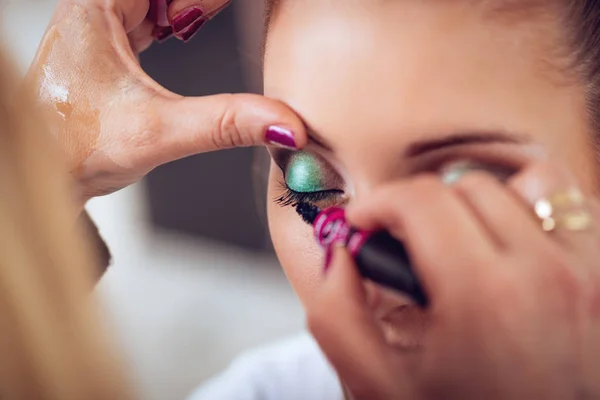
(304, 173)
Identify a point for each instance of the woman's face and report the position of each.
(390, 89)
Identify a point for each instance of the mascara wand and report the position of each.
(378, 255)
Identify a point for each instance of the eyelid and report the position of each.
(500, 160)
(334, 180)
(453, 172)
(323, 198)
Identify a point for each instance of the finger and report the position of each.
(341, 322)
(201, 124)
(157, 12)
(510, 222)
(130, 13)
(162, 33)
(142, 36)
(157, 16)
(545, 181)
(446, 243)
(188, 16)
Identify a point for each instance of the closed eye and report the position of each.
(292, 198)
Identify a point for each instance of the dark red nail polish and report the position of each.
(281, 137)
(186, 18)
(162, 33)
(189, 33)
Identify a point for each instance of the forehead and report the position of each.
(507, 9)
(410, 63)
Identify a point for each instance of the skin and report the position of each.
(371, 83)
(381, 87)
(115, 123)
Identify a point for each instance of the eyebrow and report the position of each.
(421, 147)
(464, 138)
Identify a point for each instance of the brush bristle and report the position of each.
(308, 212)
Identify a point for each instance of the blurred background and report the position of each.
(194, 280)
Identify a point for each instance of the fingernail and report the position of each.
(189, 33)
(162, 33)
(281, 137)
(186, 18)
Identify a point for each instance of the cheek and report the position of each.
(298, 253)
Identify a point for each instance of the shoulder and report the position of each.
(289, 369)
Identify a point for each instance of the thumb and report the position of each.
(191, 125)
(342, 323)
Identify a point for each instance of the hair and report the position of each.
(584, 27)
(52, 346)
(582, 22)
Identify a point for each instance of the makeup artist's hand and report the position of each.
(113, 121)
(515, 310)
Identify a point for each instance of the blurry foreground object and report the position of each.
(52, 345)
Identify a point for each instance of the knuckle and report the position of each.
(144, 132)
(227, 133)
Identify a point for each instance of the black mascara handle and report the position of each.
(384, 260)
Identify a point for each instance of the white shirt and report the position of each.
(293, 369)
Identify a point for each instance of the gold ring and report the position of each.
(564, 210)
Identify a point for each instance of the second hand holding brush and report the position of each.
(378, 255)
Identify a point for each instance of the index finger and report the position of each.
(446, 243)
(157, 12)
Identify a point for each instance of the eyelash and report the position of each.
(291, 197)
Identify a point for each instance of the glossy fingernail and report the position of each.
(281, 137)
(187, 18)
(189, 33)
(162, 33)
